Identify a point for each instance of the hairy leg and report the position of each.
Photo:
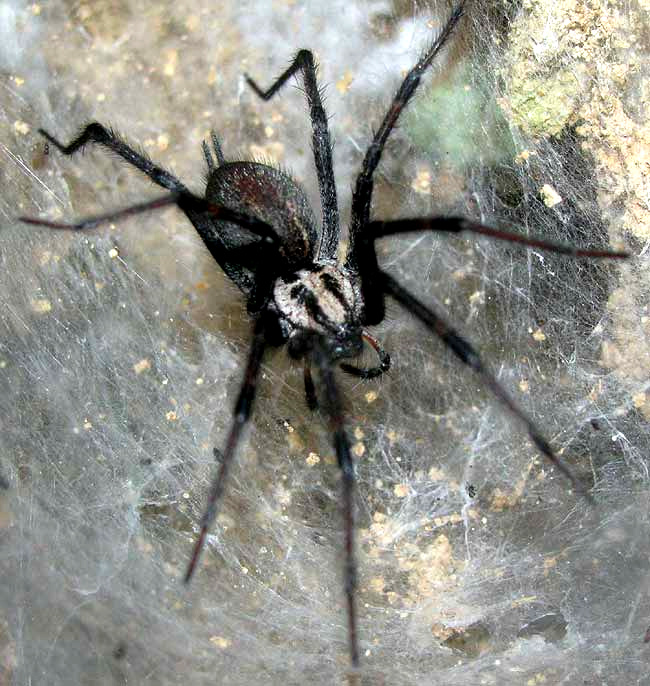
(242, 413)
(377, 229)
(96, 133)
(468, 356)
(322, 146)
(334, 410)
(362, 194)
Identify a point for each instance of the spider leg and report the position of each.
(242, 412)
(466, 353)
(188, 202)
(377, 229)
(310, 391)
(322, 146)
(265, 275)
(208, 157)
(96, 133)
(334, 409)
(204, 216)
(372, 372)
(362, 194)
(217, 148)
(92, 222)
(217, 151)
(368, 266)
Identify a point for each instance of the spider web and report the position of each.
(121, 353)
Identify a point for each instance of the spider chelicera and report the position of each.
(257, 224)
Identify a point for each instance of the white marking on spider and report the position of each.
(333, 292)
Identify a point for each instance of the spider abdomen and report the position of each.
(272, 196)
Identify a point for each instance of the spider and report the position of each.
(257, 224)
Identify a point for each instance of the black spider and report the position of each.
(258, 226)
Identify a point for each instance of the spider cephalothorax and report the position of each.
(322, 300)
(256, 222)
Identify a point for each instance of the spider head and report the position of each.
(321, 301)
